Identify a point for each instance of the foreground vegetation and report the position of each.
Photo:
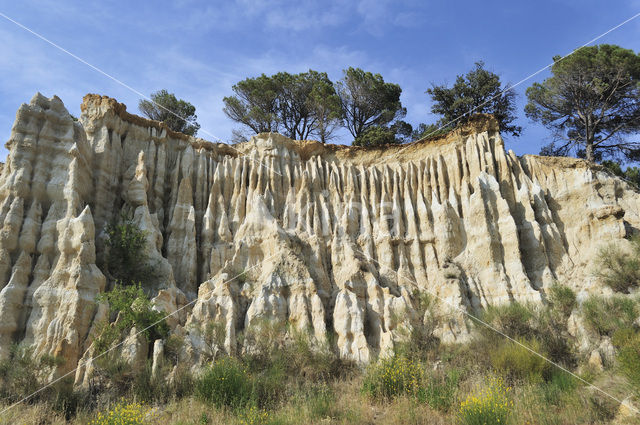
(286, 381)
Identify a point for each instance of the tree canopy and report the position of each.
(254, 104)
(591, 103)
(299, 105)
(376, 136)
(368, 101)
(179, 115)
(479, 91)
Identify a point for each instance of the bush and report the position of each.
(22, 373)
(418, 340)
(134, 308)
(126, 260)
(519, 363)
(313, 362)
(551, 331)
(562, 299)
(440, 392)
(225, 383)
(390, 378)
(492, 405)
(560, 384)
(19, 373)
(122, 414)
(605, 315)
(617, 269)
(268, 386)
(513, 319)
(314, 403)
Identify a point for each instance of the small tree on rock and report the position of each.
(479, 91)
(368, 101)
(179, 115)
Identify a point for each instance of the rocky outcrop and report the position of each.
(323, 238)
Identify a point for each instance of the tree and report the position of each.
(254, 104)
(302, 99)
(299, 105)
(402, 131)
(591, 102)
(427, 130)
(367, 101)
(177, 114)
(325, 106)
(376, 136)
(631, 174)
(479, 91)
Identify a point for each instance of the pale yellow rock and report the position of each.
(319, 237)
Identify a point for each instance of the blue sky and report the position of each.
(199, 49)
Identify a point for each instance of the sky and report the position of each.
(199, 49)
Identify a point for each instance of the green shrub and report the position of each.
(22, 373)
(293, 351)
(562, 299)
(311, 360)
(491, 405)
(418, 340)
(376, 136)
(519, 363)
(225, 383)
(513, 319)
(618, 269)
(396, 376)
(605, 315)
(560, 384)
(126, 259)
(134, 308)
(551, 331)
(440, 391)
(319, 402)
(268, 386)
(19, 373)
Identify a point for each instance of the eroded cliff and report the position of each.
(328, 239)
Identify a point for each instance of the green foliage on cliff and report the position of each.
(126, 259)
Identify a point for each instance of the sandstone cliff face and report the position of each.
(328, 239)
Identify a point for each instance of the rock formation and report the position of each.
(324, 238)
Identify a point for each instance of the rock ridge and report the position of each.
(324, 238)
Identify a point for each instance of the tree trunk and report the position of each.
(589, 151)
(589, 140)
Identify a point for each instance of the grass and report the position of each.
(490, 404)
(562, 299)
(605, 315)
(518, 363)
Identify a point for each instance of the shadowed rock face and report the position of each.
(325, 238)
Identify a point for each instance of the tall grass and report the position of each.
(393, 377)
(491, 404)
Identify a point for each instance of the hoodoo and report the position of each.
(326, 239)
